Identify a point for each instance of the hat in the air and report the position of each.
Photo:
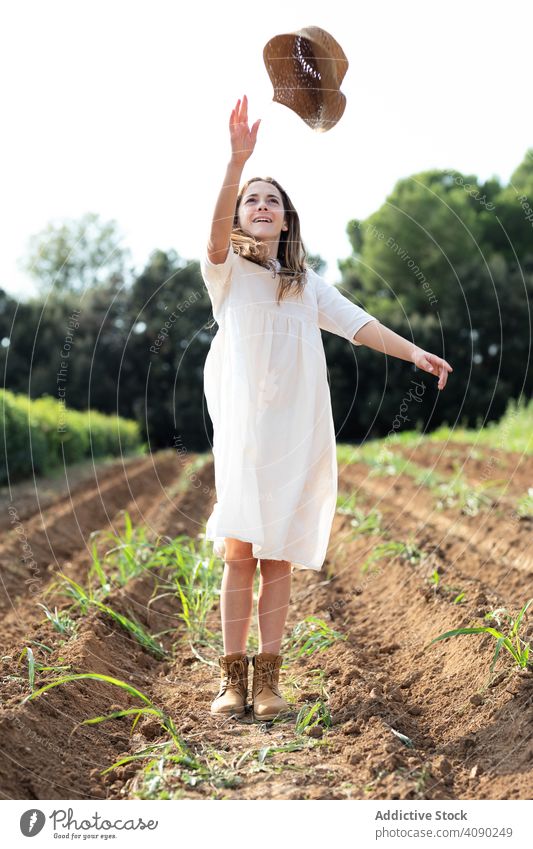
(306, 68)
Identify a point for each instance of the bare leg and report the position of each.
(236, 595)
(273, 603)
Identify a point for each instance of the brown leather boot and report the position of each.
(266, 697)
(231, 697)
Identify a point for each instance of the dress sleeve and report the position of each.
(217, 278)
(337, 314)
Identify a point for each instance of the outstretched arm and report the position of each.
(242, 145)
(380, 338)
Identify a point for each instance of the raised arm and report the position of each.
(380, 338)
(242, 146)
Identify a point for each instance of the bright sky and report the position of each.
(122, 108)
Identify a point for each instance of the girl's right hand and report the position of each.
(242, 139)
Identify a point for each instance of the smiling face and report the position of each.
(261, 213)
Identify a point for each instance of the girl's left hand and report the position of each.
(433, 364)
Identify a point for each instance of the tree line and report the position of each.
(447, 260)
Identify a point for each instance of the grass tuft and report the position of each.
(511, 641)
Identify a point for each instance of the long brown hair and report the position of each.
(291, 255)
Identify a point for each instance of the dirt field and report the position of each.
(462, 739)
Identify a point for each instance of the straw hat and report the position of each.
(306, 68)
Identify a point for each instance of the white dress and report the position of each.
(267, 393)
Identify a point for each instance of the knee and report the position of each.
(239, 553)
(275, 568)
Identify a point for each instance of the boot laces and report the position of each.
(235, 674)
(266, 674)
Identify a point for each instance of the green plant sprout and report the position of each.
(160, 772)
(309, 636)
(149, 709)
(524, 507)
(446, 588)
(408, 551)
(293, 746)
(61, 621)
(130, 555)
(449, 492)
(457, 492)
(309, 717)
(85, 601)
(510, 641)
(197, 587)
(346, 503)
(369, 523)
(35, 666)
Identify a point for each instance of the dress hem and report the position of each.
(295, 564)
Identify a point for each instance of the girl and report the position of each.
(265, 382)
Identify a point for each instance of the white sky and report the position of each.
(122, 108)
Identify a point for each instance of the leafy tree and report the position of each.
(166, 350)
(429, 265)
(75, 255)
(509, 230)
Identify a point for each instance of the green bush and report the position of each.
(41, 434)
(24, 445)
